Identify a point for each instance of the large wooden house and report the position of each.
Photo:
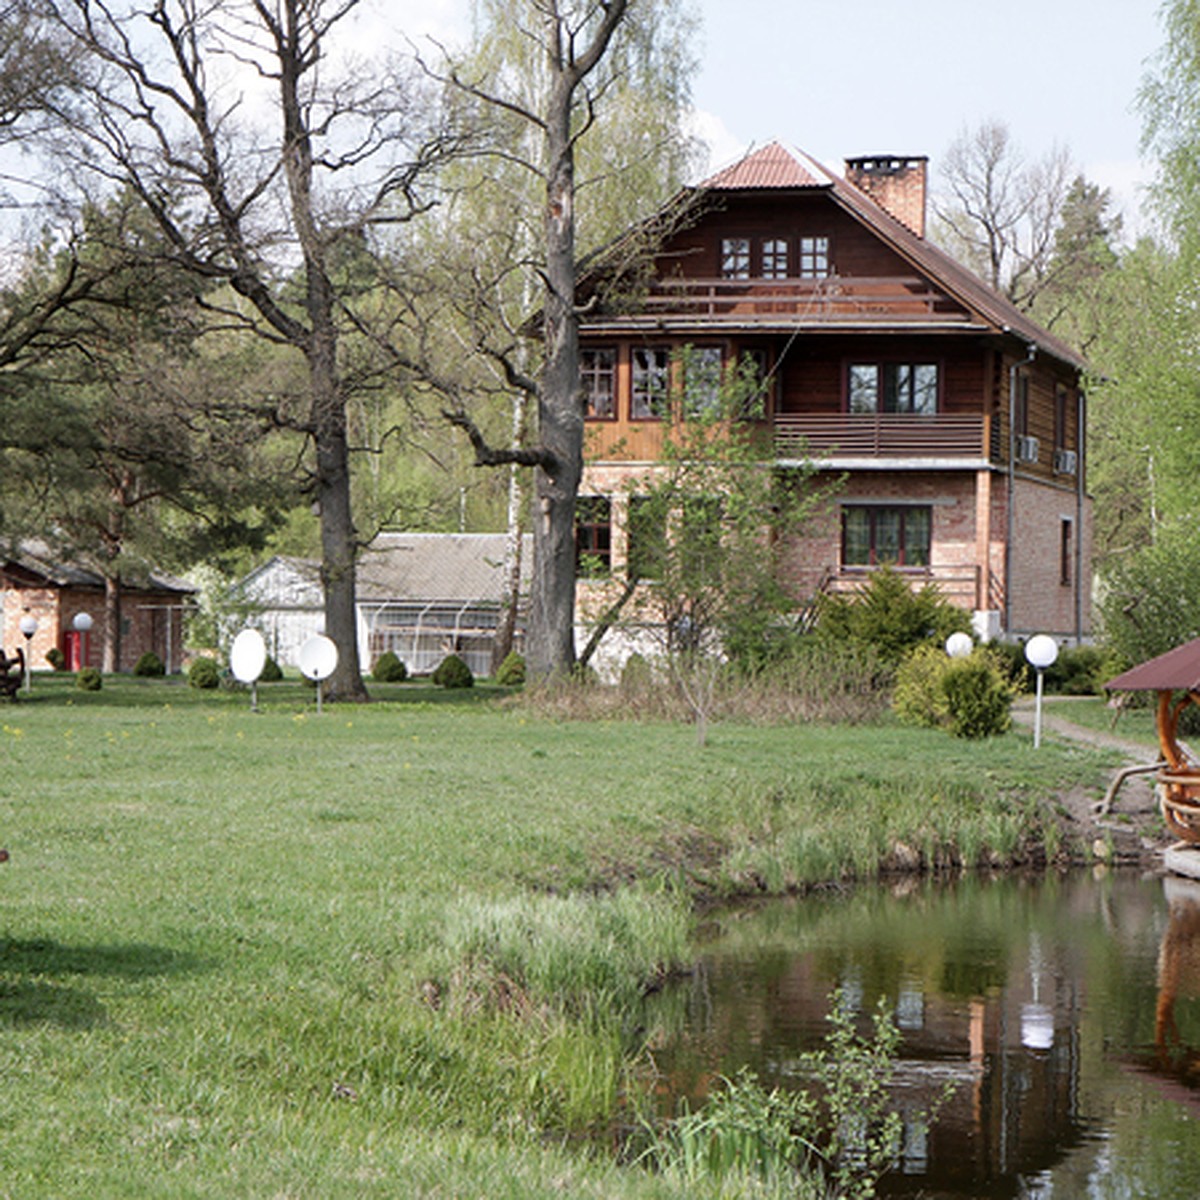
(953, 424)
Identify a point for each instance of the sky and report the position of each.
(845, 78)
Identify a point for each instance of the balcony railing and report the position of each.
(875, 435)
(834, 298)
(964, 584)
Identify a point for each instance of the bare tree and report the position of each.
(260, 170)
(1000, 213)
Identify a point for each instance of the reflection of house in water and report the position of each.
(994, 1019)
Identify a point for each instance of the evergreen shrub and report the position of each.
(204, 674)
(89, 680)
(512, 670)
(272, 672)
(389, 669)
(452, 672)
(56, 658)
(149, 665)
(884, 612)
(968, 697)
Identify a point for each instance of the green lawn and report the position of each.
(396, 949)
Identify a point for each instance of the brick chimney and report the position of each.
(895, 183)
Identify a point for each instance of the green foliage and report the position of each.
(204, 674)
(149, 665)
(272, 672)
(850, 1136)
(389, 668)
(512, 670)
(886, 613)
(452, 672)
(637, 675)
(978, 697)
(1151, 599)
(917, 695)
(56, 658)
(89, 680)
(1081, 671)
(969, 697)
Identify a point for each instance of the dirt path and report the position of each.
(1133, 831)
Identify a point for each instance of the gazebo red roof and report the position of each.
(1177, 669)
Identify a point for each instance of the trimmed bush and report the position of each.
(968, 697)
(149, 664)
(452, 672)
(89, 680)
(978, 697)
(272, 672)
(512, 670)
(56, 658)
(204, 673)
(389, 669)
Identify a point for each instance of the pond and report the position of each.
(1064, 1010)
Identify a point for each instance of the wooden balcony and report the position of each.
(881, 435)
(836, 298)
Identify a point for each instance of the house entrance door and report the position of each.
(74, 650)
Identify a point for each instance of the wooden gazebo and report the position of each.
(1175, 676)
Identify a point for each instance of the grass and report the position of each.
(397, 949)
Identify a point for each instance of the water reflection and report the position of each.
(1066, 1011)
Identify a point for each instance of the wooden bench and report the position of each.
(12, 673)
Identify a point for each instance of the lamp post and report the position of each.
(1041, 651)
(28, 625)
(82, 624)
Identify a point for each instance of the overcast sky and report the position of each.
(841, 78)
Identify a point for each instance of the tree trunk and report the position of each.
(551, 638)
(510, 593)
(110, 661)
(339, 546)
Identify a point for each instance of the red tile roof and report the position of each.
(771, 167)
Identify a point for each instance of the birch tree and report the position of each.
(560, 70)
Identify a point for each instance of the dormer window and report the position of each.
(735, 258)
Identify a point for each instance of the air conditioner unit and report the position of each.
(1026, 449)
(1065, 462)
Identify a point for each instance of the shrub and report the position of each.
(204, 673)
(917, 697)
(1081, 671)
(636, 675)
(969, 697)
(452, 672)
(389, 669)
(272, 672)
(978, 697)
(56, 658)
(149, 664)
(89, 680)
(512, 670)
(887, 614)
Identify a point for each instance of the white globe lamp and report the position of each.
(1041, 652)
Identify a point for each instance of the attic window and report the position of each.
(597, 381)
(735, 258)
